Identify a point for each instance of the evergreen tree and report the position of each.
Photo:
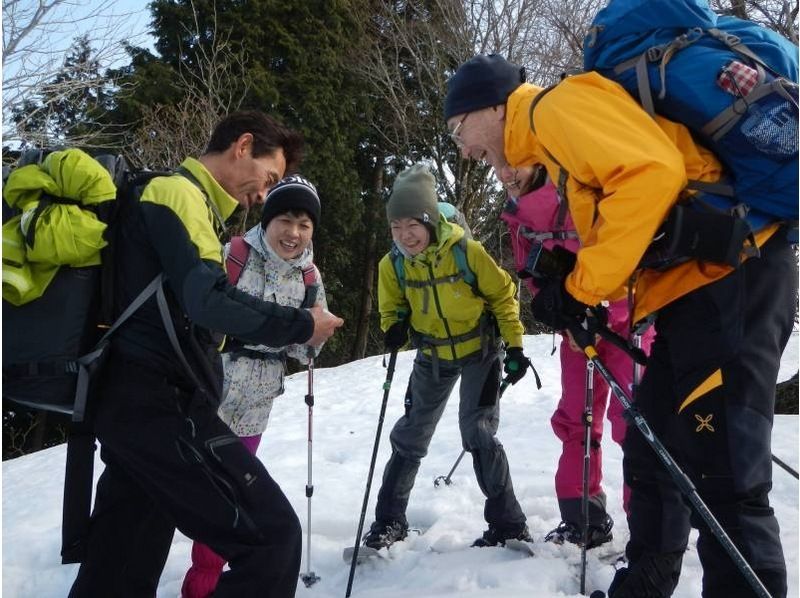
(296, 70)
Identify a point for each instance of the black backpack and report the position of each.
(50, 343)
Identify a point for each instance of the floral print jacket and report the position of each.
(250, 383)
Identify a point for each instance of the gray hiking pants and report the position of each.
(478, 418)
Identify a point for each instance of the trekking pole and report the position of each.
(587, 439)
(785, 466)
(676, 473)
(386, 386)
(310, 578)
(446, 479)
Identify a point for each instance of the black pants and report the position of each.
(725, 339)
(171, 462)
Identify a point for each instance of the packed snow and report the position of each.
(437, 563)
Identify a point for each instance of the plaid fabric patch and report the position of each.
(737, 78)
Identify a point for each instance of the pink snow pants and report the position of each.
(567, 420)
(201, 578)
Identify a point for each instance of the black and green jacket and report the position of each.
(174, 228)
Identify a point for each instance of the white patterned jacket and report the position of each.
(250, 384)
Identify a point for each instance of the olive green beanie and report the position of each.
(414, 196)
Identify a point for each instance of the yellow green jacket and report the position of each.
(64, 234)
(450, 308)
(625, 171)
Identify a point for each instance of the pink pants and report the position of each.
(567, 420)
(201, 578)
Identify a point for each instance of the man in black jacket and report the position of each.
(170, 462)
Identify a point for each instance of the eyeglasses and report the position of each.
(454, 133)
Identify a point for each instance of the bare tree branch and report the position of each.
(37, 33)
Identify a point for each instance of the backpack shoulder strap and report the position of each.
(563, 174)
(460, 255)
(237, 258)
(397, 261)
(311, 280)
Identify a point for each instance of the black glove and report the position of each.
(553, 306)
(584, 332)
(515, 365)
(397, 335)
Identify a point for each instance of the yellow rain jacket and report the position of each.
(64, 234)
(625, 171)
(448, 307)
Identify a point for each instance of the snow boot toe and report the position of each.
(496, 535)
(383, 534)
(572, 533)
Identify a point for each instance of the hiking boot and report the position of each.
(495, 535)
(383, 534)
(654, 575)
(572, 533)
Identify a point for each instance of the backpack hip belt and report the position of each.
(486, 330)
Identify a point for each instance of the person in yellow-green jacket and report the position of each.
(170, 461)
(453, 321)
(709, 389)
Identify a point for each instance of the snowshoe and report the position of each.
(497, 536)
(572, 533)
(383, 534)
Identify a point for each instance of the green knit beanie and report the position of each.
(414, 196)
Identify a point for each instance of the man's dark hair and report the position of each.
(268, 136)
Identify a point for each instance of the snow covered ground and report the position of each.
(345, 417)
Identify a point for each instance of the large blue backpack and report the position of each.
(733, 83)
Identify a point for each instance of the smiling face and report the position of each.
(289, 234)
(411, 235)
(516, 180)
(246, 178)
(479, 135)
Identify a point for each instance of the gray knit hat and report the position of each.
(414, 196)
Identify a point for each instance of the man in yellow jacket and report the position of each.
(709, 388)
(453, 322)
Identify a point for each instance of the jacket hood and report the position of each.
(522, 148)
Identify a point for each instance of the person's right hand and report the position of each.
(397, 335)
(325, 324)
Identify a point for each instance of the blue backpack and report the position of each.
(733, 83)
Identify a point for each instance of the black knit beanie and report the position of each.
(291, 193)
(481, 82)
